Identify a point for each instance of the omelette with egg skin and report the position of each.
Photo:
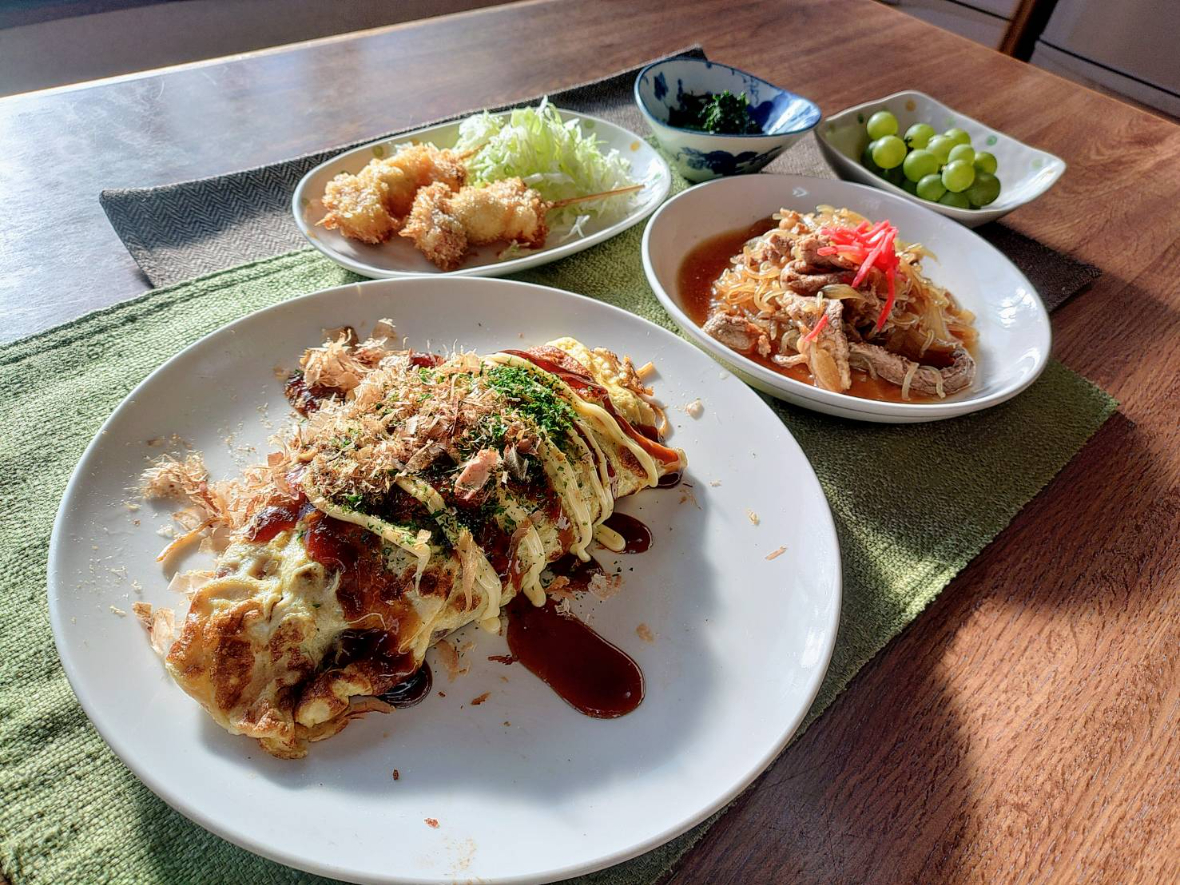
(421, 495)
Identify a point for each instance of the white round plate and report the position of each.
(1014, 332)
(524, 789)
(398, 258)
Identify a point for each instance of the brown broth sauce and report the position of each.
(706, 262)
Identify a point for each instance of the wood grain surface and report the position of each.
(1024, 729)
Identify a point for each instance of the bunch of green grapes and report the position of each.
(939, 168)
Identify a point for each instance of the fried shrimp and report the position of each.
(372, 205)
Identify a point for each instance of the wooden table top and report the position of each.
(1024, 728)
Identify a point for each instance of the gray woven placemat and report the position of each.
(179, 231)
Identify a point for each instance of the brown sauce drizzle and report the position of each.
(579, 574)
(706, 261)
(636, 536)
(670, 480)
(303, 398)
(424, 360)
(359, 645)
(590, 674)
(412, 690)
(648, 430)
(368, 591)
(269, 521)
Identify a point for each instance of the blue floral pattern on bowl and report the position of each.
(719, 163)
(783, 116)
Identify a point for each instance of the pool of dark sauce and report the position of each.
(670, 480)
(704, 264)
(579, 574)
(410, 691)
(589, 673)
(636, 536)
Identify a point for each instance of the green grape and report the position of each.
(888, 152)
(940, 146)
(957, 176)
(958, 136)
(866, 159)
(881, 124)
(919, 164)
(986, 162)
(931, 188)
(919, 135)
(983, 190)
(894, 176)
(957, 200)
(962, 152)
(910, 187)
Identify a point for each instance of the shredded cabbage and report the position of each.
(554, 157)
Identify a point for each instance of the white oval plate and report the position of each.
(398, 258)
(741, 643)
(1014, 333)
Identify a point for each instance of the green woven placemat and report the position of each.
(69, 810)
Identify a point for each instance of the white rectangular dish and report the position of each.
(1024, 172)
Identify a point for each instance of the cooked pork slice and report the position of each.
(739, 333)
(809, 283)
(926, 380)
(774, 247)
(806, 250)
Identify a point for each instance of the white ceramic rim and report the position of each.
(841, 401)
(535, 259)
(178, 803)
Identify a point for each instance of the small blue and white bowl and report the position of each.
(699, 156)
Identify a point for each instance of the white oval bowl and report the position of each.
(1013, 324)
(1025, 172)
(741, 643)
(397, 258)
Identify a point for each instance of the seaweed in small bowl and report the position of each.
(665, 89)
(722, 113)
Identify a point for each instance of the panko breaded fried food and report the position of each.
(399, 177)
(434, 230)
(444, 224)
(372, 205)
(356, 208)
(504, 210)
